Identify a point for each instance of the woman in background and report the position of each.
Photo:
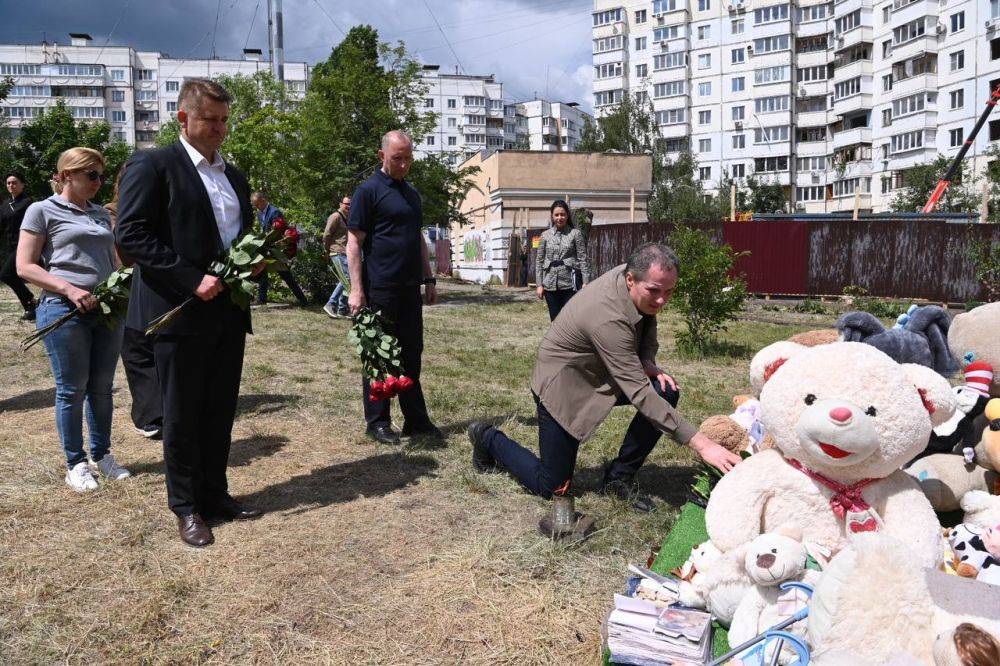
(562, 252)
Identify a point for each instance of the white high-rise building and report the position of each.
(827, 99)
(135, 91)
(553, 126)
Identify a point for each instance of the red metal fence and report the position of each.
(903, 259)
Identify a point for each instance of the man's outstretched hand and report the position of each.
(712, 453)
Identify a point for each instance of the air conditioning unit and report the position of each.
(840, 41)
(941, 28)
(739, 5)
(732, 9)
(739, 124)
(660, 20)
(802, 91)
(615, 30)
(749, 48)
(991, 24)
(663, 44)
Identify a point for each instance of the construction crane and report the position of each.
(943, 184)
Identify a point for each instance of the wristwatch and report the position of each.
(430, 280)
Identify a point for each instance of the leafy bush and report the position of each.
(986, 261)
(312, 269)
(810, 306)
(881, 308)
(706, 296)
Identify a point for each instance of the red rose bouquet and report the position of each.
(378, 351)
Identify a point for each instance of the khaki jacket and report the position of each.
(591, 355)
(335, 234)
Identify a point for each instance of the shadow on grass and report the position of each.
(459, 427)
(243, 452)
(37, 399)
(669, 484)
(717, 349)
(264, 403)
(343, 482)
(487, 297)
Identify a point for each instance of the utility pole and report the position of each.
(276, 39)
(270, 36)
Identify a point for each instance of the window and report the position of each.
(811, 104)
(771, 104)
(807, 134)
(739, 55)
(145, 74)
(770, 44)
(811, 163)
(20, 70)
(770, 14)
(664, 6)
(811, 44)
(80, 70)
(994, 130)
(739, 170)
(843, 188)
(117, 95)
(640, 43)
(452, 103)
(145, 136)
(668, 89)
(607, 17)
(771, 164)
(173, 86)
(172, 107)
(900, 143)
(31, 91)
(641, 71)
(704, 61)
(608, 70)
(147, 116)
(886, 11)
(958, 22)
(429, 140)
(118, 75)
(739, 141)
(955, 137)
(669, 60)
(705, 173)
(117, 116)
(666, 32)
(705, 89)
(848, 22)
(957, 98)
(452, 122)
(640, 16)
(994, 9)
(704, 145)
(429, 103)
(704, 5)
(704, 32)
(739, 83)
(814, 13)
(770, 134)
(908, 105)
(605, 44)
(812, 193)
(738, 26)
(671, 117)
(704, 117)
(607, 97)
(957, 60)
(481, 120)
(452, 140)
(771, 74)
(21, 111)
(806, 74)
(886, 48)
(908, 31)
(847, 88)
(145, 95)
(87, 111)
(738, 112)
(472, 100)
(887, 83)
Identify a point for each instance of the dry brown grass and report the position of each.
(367, 554)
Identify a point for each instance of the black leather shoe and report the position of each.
(383, 434)
(194, 531)
(628, 492)
(230, 509)
(482, 460)
(429, 431)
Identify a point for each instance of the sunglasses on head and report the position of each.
(94, 174)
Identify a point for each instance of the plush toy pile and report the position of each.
(831, 504)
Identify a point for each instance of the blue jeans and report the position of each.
(83, 353)
(338, 298)
(552, 471)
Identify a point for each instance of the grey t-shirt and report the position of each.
(79, 244)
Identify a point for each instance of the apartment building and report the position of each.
(134, 91)
(833, 100)
(553, 126)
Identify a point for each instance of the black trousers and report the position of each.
(556, 300)
(553, 470)
(199, 378)
(263, 280)
(402, 310)
(9, 276)
(140, 371)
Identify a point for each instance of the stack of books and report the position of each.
(649, 628)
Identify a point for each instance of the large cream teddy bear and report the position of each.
(845, 417)
(876, 604)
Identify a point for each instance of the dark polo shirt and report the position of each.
(390, 214)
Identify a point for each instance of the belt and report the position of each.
(556, 263)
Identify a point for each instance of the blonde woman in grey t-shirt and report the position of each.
(67, 248)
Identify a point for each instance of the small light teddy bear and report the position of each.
(772, 559)
(712, 582)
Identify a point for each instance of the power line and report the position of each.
(566, 14)
(250, 31)
(335, 24)
(493, 17)
(457, 59)
(215, 28)
(115, 27)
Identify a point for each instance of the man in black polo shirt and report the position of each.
(386, 253)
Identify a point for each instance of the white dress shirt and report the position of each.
(225, 203)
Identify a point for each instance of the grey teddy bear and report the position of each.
(923, 339)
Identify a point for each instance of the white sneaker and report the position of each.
(111, 469)
(331, 310)
(80, 479)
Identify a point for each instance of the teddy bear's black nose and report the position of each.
(766, 560)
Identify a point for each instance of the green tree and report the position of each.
(629, 127)
(363, 90)
(37, 148)
(707, 297)
(168, 133)
(919, 182)
(677, 195)
(442, 189)
(764, 196)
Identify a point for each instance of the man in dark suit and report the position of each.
(181, 207)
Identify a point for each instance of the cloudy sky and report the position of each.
(532, 46)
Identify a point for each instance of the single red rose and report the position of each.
(377, 391)
(291, 250)
(404, 384)
(279, 224)
(391, 385)
(292, 232)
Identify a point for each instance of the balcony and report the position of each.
(914, 48)
(855, 169)
(845, 202)
(810, 178)
(912, 12)
(853, 37)
(812, 59)
(611, 29)
(812, 148)
(914, 84)
(812, 119)
(926, 119)
(852, 104)
(852, 70)
(783, 178)
(675, 131)
(814, 28)
(815, 88)
(852, 137)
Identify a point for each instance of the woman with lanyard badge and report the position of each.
(67, 248)
(561, 254)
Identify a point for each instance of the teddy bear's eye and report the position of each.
(774, 550)
(871, 411)
(810, 399)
